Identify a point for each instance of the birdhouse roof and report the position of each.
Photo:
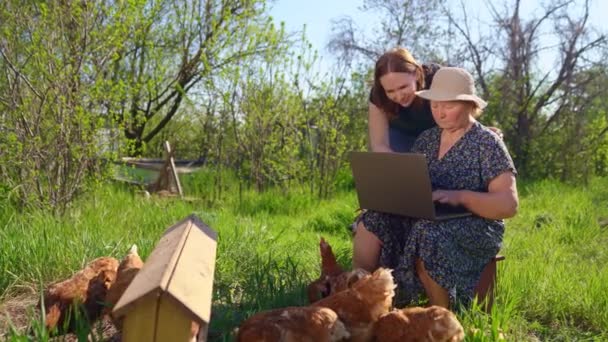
(180, 266)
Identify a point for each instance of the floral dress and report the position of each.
(454, 251)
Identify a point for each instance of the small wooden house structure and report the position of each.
(172, 293)
(156, 175)
(168, 180)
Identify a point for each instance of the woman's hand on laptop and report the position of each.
(451, 197)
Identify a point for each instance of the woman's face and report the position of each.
(451, 114)
(400, 87)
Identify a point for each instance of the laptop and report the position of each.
(398, 183)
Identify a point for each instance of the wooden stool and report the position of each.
(485, 287)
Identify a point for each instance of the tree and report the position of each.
(52, 57)
(173, 46)
(74, 72)
(412, 24)
(526, 98)
(579, 133)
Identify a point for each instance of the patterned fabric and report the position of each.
(392, 230)
(454, 251)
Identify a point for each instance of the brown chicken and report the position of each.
(346, 280)
(86, 289)
(127, 270)
(360, 306)
(329, 264)
(433, 324)
(293, 324)
(333, 278)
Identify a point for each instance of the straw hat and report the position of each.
(452, 84)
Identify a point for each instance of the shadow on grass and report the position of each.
(269, 285)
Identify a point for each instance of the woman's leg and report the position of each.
(437, 294)
(366, 248)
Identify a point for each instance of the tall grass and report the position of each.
(557, 260)
(552, 286)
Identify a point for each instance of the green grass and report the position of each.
(553, 285)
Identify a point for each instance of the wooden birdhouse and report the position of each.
(172, 293)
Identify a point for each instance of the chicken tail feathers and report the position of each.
(445, 326)
(379, 284)
(329, 264)
(133, 250)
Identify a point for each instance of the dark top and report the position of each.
(410, 122)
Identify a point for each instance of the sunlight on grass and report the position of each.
(552, 286)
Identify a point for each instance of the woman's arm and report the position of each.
(499, 202)
(378, 130)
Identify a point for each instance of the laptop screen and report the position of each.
(396, 183)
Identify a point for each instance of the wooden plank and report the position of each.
(158, 167)
(192, 280)
(172, 169)
(181, 166)
(128, 181)
(145, 166)
(139, 325)
(156, 272)
(174, 323)
(160, 161)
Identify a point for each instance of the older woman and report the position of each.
(469, 165)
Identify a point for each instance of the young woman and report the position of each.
(396, 115)
(396, 118)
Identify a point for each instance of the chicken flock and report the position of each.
(344, 306)
(351, 306)
(96, 288)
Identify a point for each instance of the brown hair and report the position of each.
(395, 60)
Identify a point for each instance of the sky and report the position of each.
(318, 14)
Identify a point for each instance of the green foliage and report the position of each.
(274, 124)
(83, 77)
(556, 255)
(568, 143)
(225, 84)
(177, 46)
(334, 218)
(482, 326)
(53, 118)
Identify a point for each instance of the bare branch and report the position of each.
(547, 14)
(19, 74)
(570, 59)
(478, 60)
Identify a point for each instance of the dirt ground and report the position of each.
(14, 311)
(18, 310)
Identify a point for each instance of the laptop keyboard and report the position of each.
(446, 209)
